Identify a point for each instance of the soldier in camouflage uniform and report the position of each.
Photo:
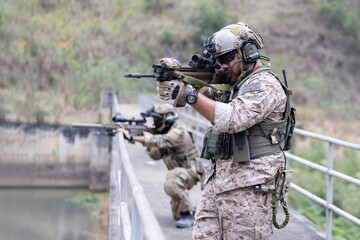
(175, 146)
(245, 141)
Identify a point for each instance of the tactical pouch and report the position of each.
(204, 153)
(241, 146)
(217, 145)
(283, 181)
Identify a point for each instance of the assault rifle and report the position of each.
(202, 66)
(136, 127)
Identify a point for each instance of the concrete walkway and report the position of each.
(151, 175)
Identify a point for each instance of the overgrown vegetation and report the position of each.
(56, 56)
(99, 205)
(345, 196)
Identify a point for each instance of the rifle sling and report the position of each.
(198, 82)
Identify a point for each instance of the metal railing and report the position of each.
(142, 224)
(198, 125)
(330, 173)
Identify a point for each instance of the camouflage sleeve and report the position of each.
(257, 99)
(171, 139)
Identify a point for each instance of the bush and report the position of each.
(212, 17)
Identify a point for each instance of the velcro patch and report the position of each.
(251, 87)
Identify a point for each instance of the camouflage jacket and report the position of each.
(176, 147)
(266, 103)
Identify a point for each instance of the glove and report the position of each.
(170, 85)
(173, 90)
(126, 133)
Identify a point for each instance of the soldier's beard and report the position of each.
(230, 77)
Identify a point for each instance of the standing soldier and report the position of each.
(175, 145)
(249, 131)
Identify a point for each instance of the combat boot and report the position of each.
(186, 220)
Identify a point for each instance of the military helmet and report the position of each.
(234, 37)
(169, 112)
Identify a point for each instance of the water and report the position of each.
(44, 214)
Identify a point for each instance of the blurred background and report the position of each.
(57, 55)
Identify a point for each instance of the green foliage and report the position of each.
(39, 115)
(1, 17)
(343, 14)
(345, 195)
(316, 153)
(3, 113)
(155, 6)
(211, 18)
(88, 199)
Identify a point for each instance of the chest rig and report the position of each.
(262, 139)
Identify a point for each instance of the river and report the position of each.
(44, 214)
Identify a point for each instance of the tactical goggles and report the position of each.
(227, 57)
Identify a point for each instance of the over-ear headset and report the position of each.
(249, 52)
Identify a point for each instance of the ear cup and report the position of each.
(250, 52)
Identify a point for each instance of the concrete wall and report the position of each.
(33, 155)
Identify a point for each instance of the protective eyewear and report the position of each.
(226, 58)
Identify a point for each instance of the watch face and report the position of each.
(190, 98)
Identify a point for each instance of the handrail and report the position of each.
(144, 224)
(327, 139)
(196, 123)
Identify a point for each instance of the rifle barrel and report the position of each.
(86, 125)
(95, 125)
(141, 75)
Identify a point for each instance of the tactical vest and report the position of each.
(262, 139)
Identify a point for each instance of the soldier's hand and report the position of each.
(173, 90)
(125, 132)
(171, 69)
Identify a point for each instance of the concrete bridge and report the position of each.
(151, 175)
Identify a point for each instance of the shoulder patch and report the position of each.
(251, 87)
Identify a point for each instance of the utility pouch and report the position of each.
(241, 146)
(282, 184)
(204, 152)
(217, 145)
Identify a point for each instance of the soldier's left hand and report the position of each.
(125, 132)
(173, 90)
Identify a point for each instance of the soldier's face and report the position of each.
(230, 67)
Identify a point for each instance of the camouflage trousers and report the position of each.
(236, 214)
(177, 185)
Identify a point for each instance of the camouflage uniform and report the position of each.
(177, 150)
(229, 208)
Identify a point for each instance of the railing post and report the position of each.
(329, 192)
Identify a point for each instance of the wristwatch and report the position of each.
(192, 96)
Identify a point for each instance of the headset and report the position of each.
(249, 52)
